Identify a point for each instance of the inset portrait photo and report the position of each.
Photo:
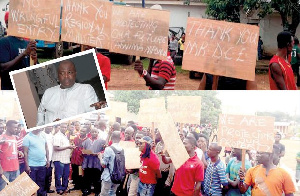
(60, 89)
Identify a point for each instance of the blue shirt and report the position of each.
(232, 169)
(108, 160)
(214, 177)
(36, 149)
(10, 48)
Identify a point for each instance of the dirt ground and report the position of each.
(125, 78)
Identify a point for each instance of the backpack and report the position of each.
(117, 175)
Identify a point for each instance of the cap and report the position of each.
(146, 139)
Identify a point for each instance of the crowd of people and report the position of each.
(91, 156)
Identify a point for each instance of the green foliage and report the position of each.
(210, 109)
(229, 10)
(279, 116)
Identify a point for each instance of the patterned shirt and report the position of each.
(214, 177)
(166, 70)
(63, 156)
(77, 156)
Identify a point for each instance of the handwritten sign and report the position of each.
(132, 155)
(221, 48)
(87, 22)
(21, 186)
(172, 141)
(150, 109)
(246, 132)
(117, 109)
(34, 19)
(140, 31)
(185, 109)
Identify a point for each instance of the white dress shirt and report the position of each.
(60, 103)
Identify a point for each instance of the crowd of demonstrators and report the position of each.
(97, 163)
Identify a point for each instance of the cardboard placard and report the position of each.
(185, 109)
(34, 19)
(88, 152)
(21, 186)
(117, 109)
(221, 48)
(140, 31)
(172, 141)
(149, 108)
(132, 155)
(87, 22)
(246, 132)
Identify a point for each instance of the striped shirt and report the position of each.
(166, 70)
(63, 156)
(215, 176)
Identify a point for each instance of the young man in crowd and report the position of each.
(281, 75)
(296, 60)
(266, 178)
(161, 75)
(189, 176)
(129, 134)
(49, 139)
(36, 159)
(133, 180)
(280, 145)
(8, 153)
(149, 170)
(91, 163)
(215, 175)
(61, 159)
(108, 188)
(77, 159)
(232, 171)
(101, 126)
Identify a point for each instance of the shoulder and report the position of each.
(51, 89)
(86, 87)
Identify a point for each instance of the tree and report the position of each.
(230, 10)
(210, 109)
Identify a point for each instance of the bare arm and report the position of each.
(158, 174)
(197, 189)
(243, 187)
(202, 82)
(47, 155)
(165, 159)
(27, 168)
(277, 75)
(58, 148)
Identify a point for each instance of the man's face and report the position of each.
(77, 126)
(262, 157)
(63, 128)
(277, 138)
(94, 133)
(128, 134)
(290, 46)
(137, 138)
(212, 151)
(236, 152)
(141, 146)
(88, 124)
(71, 128)
(48, 129)
(83, 132)
(188, 146)
(66, 75)
(201, 142)
(12, 129)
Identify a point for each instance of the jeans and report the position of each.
(146, 189)
(22, 167)
(62, 171)
(92, 176)
(38, 175)
(10, 175)
(108, 189)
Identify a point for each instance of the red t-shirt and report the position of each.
(9, 153)
(104, 63)
(287, 71)
(148, 169)
(187, 175)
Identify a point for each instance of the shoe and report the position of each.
(60, 192)
(85, 193)
(50, 191)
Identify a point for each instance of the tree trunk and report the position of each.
(295, 18)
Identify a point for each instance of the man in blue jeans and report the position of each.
(36, 159)
(108, 188)
(61, 159)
